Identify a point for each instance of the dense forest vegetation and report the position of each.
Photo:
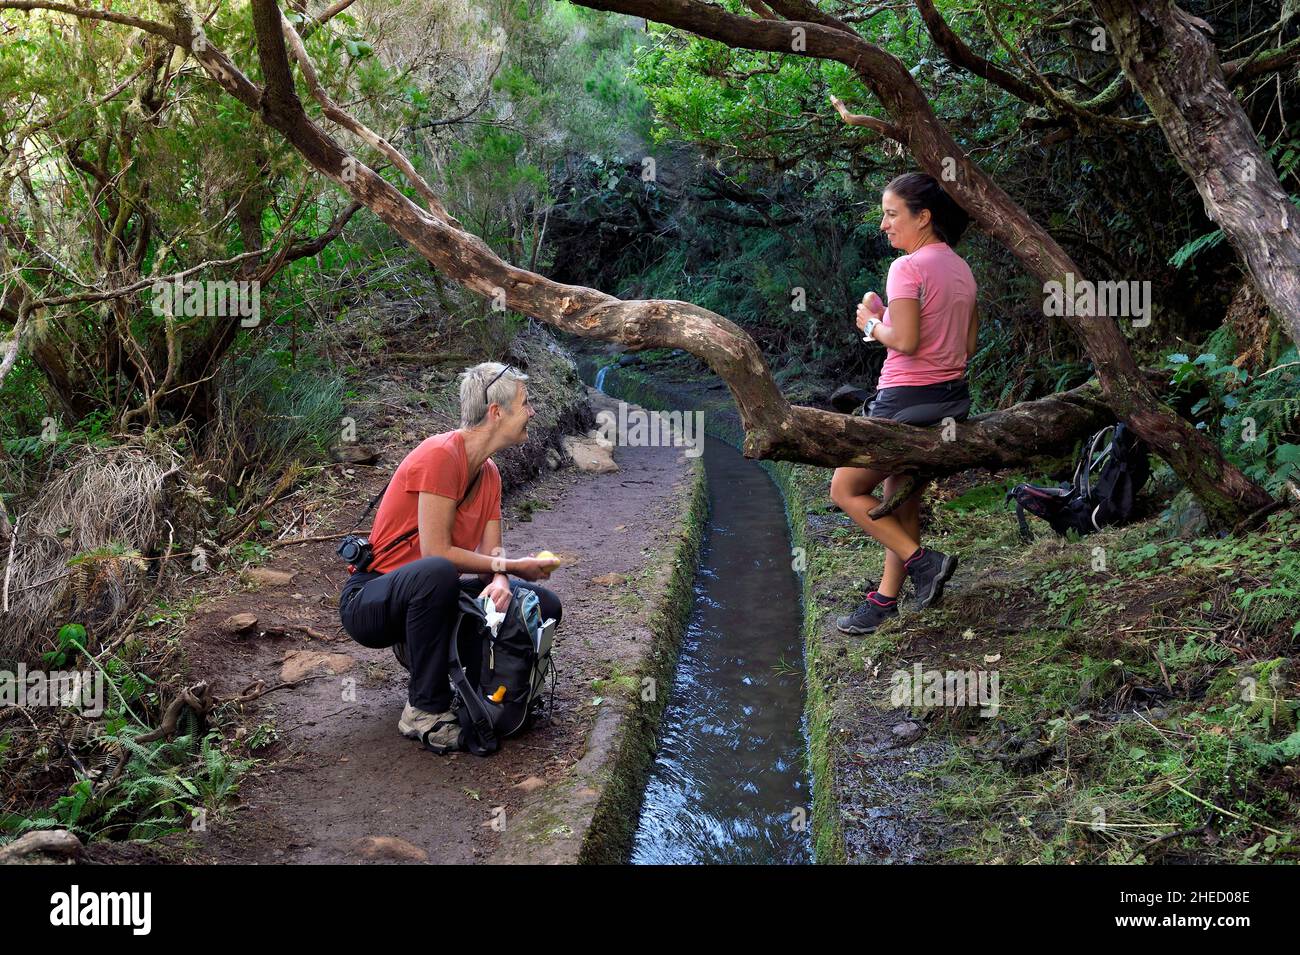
(144, 439)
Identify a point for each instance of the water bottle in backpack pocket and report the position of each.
(1111, 469)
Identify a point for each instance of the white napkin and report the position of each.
(493, 615)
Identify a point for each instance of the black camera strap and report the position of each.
(373, 501)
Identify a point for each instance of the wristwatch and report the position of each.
(871, 327)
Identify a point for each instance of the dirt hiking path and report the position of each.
(341, 784)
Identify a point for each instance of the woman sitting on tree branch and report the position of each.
(929, 331)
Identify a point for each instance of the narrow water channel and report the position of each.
(729, 782)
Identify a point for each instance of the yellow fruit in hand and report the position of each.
(547, 557)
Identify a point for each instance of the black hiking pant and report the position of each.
(417, 605)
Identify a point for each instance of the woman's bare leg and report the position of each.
(909, 515)
(851, 489)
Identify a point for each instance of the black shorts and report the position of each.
(922, 404)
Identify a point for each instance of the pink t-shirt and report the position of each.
(943, 283)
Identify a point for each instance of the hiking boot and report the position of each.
(874, 611)
(440, 732)
(929, 571)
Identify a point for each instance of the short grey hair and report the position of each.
(473, 409)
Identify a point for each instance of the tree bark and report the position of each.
(1173, 64)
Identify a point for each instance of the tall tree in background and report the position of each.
(1171, 60)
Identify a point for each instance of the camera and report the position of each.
(355, 551)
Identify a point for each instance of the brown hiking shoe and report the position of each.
(440, 732)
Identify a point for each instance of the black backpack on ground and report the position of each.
(1112, 468)
(498, 681)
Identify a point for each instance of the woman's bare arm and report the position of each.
(435, 515)
(903, 334)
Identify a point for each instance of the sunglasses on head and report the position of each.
(493, 382)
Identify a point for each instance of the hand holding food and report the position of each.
(548, 558)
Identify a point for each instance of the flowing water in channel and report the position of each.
(729, 782)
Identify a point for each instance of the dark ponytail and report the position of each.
(922, 191)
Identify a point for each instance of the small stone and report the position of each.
(588, 455)
(240, 624)
(266, 577)
(355, 454)
(300, 663)
(906, 732)
(389, 847)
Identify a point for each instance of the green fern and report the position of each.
(1277, 603)
(1190, 653)
(1195, 247)
(1269, 707)
(1287, 751)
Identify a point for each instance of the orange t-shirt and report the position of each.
(439, 466)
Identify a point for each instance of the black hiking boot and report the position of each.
(929, 571)
(874, 611)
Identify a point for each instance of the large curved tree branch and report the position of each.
(773, 427)
(1224, 491)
